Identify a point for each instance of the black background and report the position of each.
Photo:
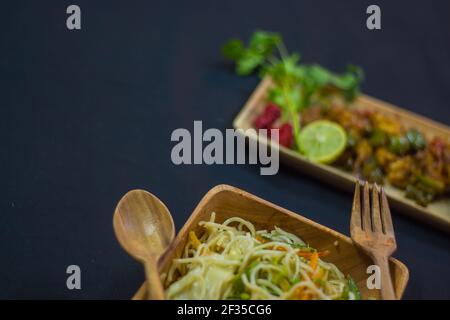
(87, 115)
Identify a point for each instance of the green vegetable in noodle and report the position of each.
(238, 287)
(250, 268)
(245, 296)
(295, 280)
(238, 284)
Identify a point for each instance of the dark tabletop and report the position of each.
(87, 115)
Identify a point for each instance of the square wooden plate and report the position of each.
(437, 213)
(227, 201)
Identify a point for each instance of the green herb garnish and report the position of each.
(295, 84)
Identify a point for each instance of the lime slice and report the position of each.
(322, 141)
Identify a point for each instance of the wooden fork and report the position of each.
(371, 230)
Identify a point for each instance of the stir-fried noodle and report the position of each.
(233, 260)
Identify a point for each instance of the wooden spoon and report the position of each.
(144, 227)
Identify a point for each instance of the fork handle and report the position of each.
(387, 289)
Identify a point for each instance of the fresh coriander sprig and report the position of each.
(248, 59)
(295, 84)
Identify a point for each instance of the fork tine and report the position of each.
(355, 220)
(367, 224)
(386, 214)
(377, 225)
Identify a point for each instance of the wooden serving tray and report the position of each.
(436, 213)
(227, 201)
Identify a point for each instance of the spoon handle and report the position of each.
(155, 288)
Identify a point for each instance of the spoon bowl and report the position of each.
(144, 228)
